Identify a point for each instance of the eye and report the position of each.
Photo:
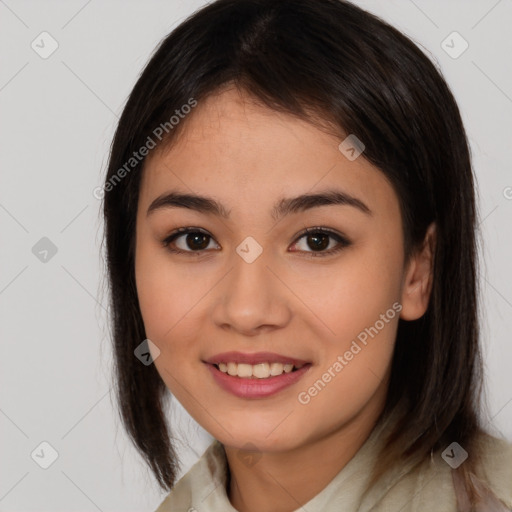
(194, 240)
(318, 239)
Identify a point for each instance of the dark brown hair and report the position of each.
(319, 60)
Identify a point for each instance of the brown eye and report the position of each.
(196, 241)
(317, 240)
(187, 240)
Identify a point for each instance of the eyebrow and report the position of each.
(208, 205)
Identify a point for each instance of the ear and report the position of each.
(418, 278)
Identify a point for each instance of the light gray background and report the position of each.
(58, 117)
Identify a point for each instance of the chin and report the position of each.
(250, 436)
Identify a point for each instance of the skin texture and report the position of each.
(198, 304)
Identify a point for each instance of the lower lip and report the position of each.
(256, 388)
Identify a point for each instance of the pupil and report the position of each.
(195, 237)
(319, 244)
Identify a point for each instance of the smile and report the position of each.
(257, 371)
(257, 374)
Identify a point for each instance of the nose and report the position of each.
(252, 298)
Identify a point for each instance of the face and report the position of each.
(248, 279)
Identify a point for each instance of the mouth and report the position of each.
(255, 375)
(264, 370)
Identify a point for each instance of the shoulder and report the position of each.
(496, 465)
(434, 481)
(207, 475)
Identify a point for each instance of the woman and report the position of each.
(290, 234)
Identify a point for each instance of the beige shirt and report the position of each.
(428, 487)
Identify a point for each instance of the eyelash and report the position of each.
(342, 241)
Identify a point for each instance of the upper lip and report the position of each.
(254, 358)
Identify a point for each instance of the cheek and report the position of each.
(152, 290)
(167, 308)
(164, 297)
(352, 296)
(353, 369)
(362, 310)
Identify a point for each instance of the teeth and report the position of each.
(244, 370)
(258, 371)
(276, 368)
(261, 371)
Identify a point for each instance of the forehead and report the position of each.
(245, 153)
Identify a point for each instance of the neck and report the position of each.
(285, 481)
